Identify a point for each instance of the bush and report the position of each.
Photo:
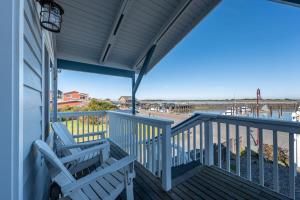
(282, 154)
(95, 105)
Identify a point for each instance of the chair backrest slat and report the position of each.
(62, 132)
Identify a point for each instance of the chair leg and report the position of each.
(54, 191)
(129, 186)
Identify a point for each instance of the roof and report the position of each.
(289, 2)
(71, 92)
(119, 33)
(125, 97)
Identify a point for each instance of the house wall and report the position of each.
(69, 103)
(35, 178)
(71, 96)
(11, 86)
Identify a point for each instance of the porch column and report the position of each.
(166, 158)
(54, 92)
(135, 84)
(11, 106)
(209, 144)
(133, 95)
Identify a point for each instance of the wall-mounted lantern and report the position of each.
(51, 15)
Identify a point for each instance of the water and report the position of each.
(286, 114)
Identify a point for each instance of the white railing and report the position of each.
(218, 139)
(146, 138)
(85, 126)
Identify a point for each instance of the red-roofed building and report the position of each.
(73, 98)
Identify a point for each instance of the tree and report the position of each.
(95, 105)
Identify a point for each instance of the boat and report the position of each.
(296, 115)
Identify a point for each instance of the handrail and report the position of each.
(155, 120)
(79, 113)
(279, 125)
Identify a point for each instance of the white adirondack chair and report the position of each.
(105, 183)
(66, 145)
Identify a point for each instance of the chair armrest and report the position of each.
(92, 177)
(92, 143)
(83, 153)
(81, 145)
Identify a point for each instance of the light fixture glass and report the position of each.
(51, 15)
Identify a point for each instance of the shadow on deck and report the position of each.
(201, 182)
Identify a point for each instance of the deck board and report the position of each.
(206, 183)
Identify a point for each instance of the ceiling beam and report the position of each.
(289, 2)
(96, 69)
(175, 15)
(125, 6)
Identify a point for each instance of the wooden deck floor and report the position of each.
(204, 183)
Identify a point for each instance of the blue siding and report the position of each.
(35, 178)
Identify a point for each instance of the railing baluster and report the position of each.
(189, 143)
(183, 147)
(275, 162)
(153, 149)
(237, 137)
(140, 140)
(201, 143)
(144, 144)
(159, 150)
(129, 137)
(77, 124)
(126, 135)
(173, 150)
(227, 148)
(148, 147)
(88, 126)
(219, 146)
(178, 149)
(209, 151)
(194, 142)
(261, 157)
(93, 122)
(135, 128)
(249, 174)
(102, 120)
(72, 126)
(97, 124)
(292, 166)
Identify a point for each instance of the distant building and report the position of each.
(75, 95)
(73, 98)
(125, 100)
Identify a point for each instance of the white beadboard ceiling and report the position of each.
(118, 33)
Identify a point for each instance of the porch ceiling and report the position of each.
(119, 33)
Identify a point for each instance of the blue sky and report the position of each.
(239, 47)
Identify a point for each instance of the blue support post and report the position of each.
(135, 84)
(54, 92)
(144, 68)
(133, 95)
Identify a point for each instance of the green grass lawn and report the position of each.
(80, 128)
